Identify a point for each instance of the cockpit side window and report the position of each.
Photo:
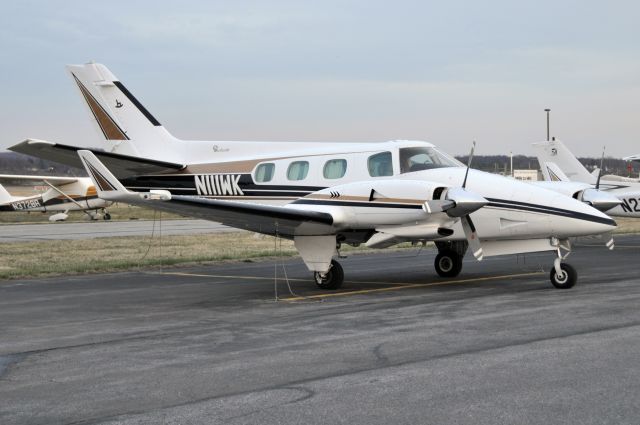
(424, 158)
(380, 164)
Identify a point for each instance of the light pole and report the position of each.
(547, 111)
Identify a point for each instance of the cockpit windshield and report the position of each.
(425, 158)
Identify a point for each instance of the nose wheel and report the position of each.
(332, 279)
(566, 278)
(563, 275)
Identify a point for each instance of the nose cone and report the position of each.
(580, 219)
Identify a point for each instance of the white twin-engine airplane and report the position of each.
(322, 195)
(64, 194)
(559, 164)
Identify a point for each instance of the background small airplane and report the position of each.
(64, 194)
(558, 164)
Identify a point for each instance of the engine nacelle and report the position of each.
(584, 192)
(378, 203)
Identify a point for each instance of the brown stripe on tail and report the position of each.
(109, 128)
(100, 180)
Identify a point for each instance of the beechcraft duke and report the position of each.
(321, 195)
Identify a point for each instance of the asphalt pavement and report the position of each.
(395, 345)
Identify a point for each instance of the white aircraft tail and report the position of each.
(5, 196)
(128, 127)
(558, 163)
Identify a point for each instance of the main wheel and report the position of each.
(106, 216)
(448, 263)
(567, 278)
(332, 279)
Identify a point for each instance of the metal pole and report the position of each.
(547, 111)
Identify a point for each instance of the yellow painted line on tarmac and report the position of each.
(399, 286)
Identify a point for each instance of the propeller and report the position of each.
(460, 203)
(595, 197)
(600, 171)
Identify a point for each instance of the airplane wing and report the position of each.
(266, 219)
(632, 158)
(122, 166)
(26, 178)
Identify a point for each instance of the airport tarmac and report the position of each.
(103, 229)
(396, 345)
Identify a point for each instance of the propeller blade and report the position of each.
(600, 171)
(466, 174)
(472, 237)
(610, 242)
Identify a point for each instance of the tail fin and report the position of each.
(128, 127)
(5, 196)
(554, 156)
(109, 187)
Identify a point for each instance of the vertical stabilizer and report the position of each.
(555, 158)
(5, 196)
(127, 126)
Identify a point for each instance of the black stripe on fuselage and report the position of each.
(135, 101)
(524, 206)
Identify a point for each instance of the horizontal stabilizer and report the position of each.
(122, 166)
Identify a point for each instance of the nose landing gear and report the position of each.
(563, 275)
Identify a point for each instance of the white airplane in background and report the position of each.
(632, 158)
(559, 164)
(64, 194)
(322, 195)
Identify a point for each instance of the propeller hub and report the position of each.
(465, 202)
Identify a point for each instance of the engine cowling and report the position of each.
(378, 203)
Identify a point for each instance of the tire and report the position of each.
(106, 216)
(567, 280)
(448, 264)
(332, 279)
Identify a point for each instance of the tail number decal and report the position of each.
(218, 184)
(25, 205)
(630, 205)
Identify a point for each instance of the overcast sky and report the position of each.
(446, 72)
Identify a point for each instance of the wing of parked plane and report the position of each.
(56, 180)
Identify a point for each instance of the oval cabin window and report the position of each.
(264, 172)
(298, 170)
(380, 164)
(335, 169)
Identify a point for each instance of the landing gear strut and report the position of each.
(448, 262)
(563, 275)
(331, 279)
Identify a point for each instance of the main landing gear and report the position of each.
(448, 262)
(332, 279)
